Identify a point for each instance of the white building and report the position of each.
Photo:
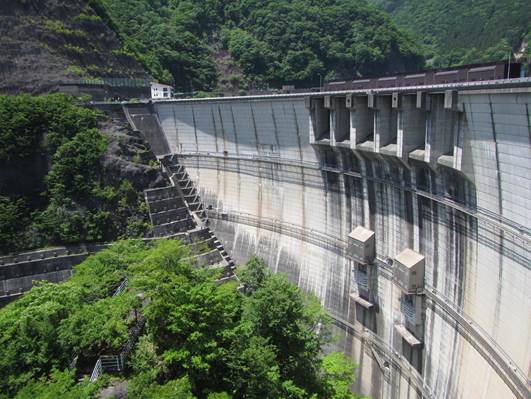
(159, 90)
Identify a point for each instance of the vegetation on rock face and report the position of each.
(460, 32)
(276, 42)
(201, 339)
(53, 188)
(46, 42)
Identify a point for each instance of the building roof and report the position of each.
(161, 85)
(360, 233)
(409, 258)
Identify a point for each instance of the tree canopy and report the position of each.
(201, 339)
(277, 42)
(457, 32)
(53, 184)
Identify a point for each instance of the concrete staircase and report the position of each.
(181, 180)
(168, 212)
(176, 212)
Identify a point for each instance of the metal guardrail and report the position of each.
(121, 287)
(49, 253)
(489, 348)
(486, 84)
(396, 359)
(110, 363)
(96, 371)
(483, 214)
(113, 82)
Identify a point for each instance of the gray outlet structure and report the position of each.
(441, 170)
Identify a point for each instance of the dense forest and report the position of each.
(267, 42)
(54, 186)
(459, 32)
(259, 338)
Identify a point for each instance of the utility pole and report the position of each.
(509, 65)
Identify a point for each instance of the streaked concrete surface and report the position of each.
(449, 179)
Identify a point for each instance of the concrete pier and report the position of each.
(442, 173)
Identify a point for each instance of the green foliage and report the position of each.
(79, 204)
(76, 167)
(100, 274)
(202, 339)
(255, 372)
(264, 344)
(99, 327)
(334, 38)
(57, 26)
(29, 337)
(60, 385)
(42, 330)
(457, 32)
(277, 311)
(271, 41)
(26, 121)
(254, 274)
(142, 388)
(75, 50)
(219, 395)
(13, 218)
(80, 72)
(339, 375)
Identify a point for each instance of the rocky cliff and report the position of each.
(45, 42)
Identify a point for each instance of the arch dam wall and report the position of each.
(442, 172)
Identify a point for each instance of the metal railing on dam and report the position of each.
(478, 85)
(516, 229)
(481, 340)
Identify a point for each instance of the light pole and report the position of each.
(320, 81)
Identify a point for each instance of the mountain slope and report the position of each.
(464, 31)
(44, 42)
(271, 42)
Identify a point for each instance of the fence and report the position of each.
(121, 287)
(114, 82)
(116, 363)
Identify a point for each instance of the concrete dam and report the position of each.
(406, 211)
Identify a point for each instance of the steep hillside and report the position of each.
(270, 42)
(69, 174)
(464, 31)
(44, 42)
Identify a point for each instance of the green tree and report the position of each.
(13, 218)
(81, 202)
(202, 338)
(141, 388)
(254, 274)
(277, 312)
(30, 345)
(100, 327)
(454, 32)
(254, 370)
(60, 385)
(338, 375)
(270, 41)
